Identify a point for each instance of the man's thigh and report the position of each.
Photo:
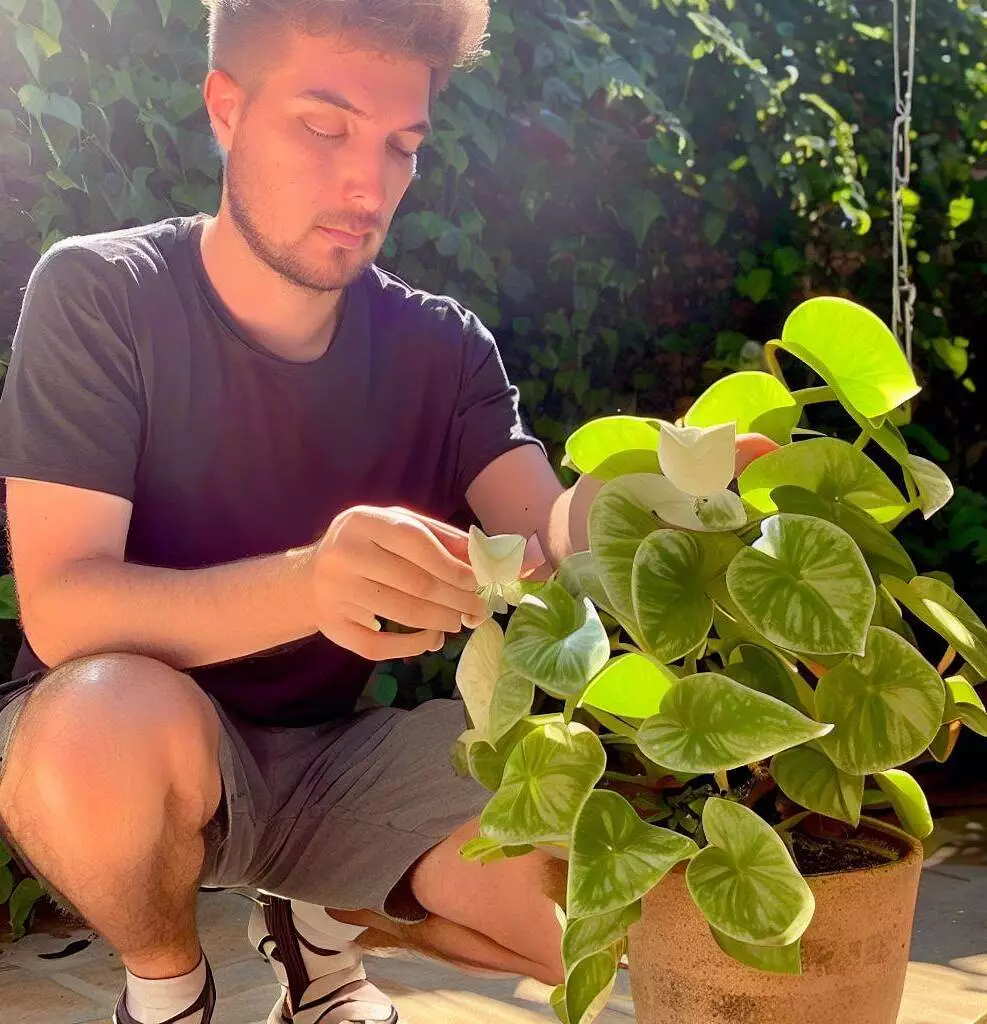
(337, 814)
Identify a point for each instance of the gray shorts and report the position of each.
(333, 814)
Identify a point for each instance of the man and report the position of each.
(231, 447)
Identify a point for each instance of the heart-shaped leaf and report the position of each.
(614, 445)
(762, 670)
(709, 723)
(616, 858)
(831, 468)
(882, 550)
(588, 935)
(495, 697)
(495, 559)
(908, 801)
(886, 705)
(745, 882)
(496, 563)
(750, 399)
(485, 761)
(698, 460)
(805, 586)
(935, 489)
(670, 600)
(963, 704)
(547, 777)
(942, 609)
(853, 351)
(556, 641)
(617, 526)
(808, 777)
(631, 686)
(589, 984)
(776, 959)
(708, 514)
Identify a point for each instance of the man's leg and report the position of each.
(498, 916)
(111, 776)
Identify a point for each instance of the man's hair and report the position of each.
(443, 34)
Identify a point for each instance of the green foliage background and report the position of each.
(626, 190)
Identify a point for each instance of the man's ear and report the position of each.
(224, 99)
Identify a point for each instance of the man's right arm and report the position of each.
(80, 597)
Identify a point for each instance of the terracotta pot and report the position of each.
(854, 954)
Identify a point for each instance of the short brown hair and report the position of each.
(443, 34)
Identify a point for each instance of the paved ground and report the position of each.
(947, 978)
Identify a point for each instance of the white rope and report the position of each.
(903, 297)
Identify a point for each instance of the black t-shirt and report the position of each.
(129, 376)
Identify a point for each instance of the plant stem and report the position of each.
(789, 823)
(946, 660)
(614, 724)
(813, 396)
(861, 443)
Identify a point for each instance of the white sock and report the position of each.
(155, 1000)
(316, 926)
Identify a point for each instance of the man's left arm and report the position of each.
(519, 493)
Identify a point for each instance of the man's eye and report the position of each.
(321, 134)
(408, 154)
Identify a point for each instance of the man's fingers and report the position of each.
(382, 566)
(386, 646)
(416, 542)
(454, 540)
(751, 447)
(388, 603)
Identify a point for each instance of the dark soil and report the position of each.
(821, 855)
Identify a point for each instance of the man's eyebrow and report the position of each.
(326, 96)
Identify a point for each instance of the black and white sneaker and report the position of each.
(340, 994)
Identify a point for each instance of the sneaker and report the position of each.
(340, 994)
(205, 1005)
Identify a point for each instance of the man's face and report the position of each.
(321, 155)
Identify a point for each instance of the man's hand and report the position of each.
(389, 563)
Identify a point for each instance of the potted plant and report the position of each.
(705, 710)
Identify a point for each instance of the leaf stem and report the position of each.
(946, 660)
(789, 823)
(813, 396)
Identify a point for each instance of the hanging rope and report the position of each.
(903, 297)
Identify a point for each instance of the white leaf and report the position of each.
(478, 670)
(699, 460)
(496, 559)
(712, 514)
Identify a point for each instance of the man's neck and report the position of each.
(292, 322)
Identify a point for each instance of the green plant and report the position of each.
(17, 892)
(732, 665)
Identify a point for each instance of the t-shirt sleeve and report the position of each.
(71, 411)
(487, 421)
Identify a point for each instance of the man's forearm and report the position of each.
(182, 617)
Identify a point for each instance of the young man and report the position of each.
(231, 445)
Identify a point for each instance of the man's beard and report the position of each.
(331, 276)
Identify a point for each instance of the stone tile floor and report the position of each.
(947, 976)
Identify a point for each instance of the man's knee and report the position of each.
(111, 732)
